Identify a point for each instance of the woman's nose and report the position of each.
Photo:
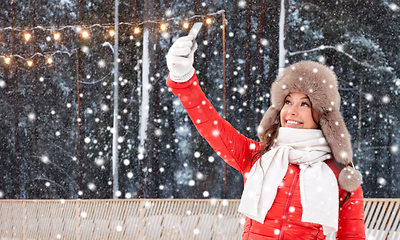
(292, 111)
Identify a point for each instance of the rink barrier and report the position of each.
(154, 219)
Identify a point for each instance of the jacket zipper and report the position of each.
(288, 201)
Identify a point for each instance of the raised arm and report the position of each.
(233, 147)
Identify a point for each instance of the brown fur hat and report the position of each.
(319, 83)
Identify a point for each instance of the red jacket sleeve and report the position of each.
(351, 217)
(230, 145)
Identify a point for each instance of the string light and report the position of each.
(7, 60)
(112, 33)
(74, 27)
(85, 34)
(27, 36)
(49, 60)
(57, 36)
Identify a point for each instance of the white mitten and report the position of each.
(180, 59)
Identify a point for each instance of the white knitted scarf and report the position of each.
(318, 185)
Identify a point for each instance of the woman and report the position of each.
(300, 182)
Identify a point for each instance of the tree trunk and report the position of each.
(247, 75)
(273, 28)
(35, 135)
(80, 107)
(260, 80)
(144, 190)
(16, 168)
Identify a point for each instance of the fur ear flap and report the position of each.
(270, 117)
(337, 136)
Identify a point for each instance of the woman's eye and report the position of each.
(287, 102)
(305, 104)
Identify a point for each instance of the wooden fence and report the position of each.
(154, 219)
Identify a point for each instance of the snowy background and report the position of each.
(57, 96)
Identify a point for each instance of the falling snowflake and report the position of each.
(85, 49)
(394, 149)
(168, 13)
(91, 186)
(104, 107)
(385, 99)
(340, 47)
(32, 116)
(83, 214)
(200, 176)
(321, 59)
(369, 97)
(242, 4)
(45, 159)
(206, 194)
(394, 6)
(101, 63)
(213, 201)
(382, 181)
(191, 183)
(99, 161)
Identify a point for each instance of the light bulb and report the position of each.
(163, 27)
(30, 63)
(7, 60)
(208, 21)
(112, 33)
(85, 34)
(57, 36)
(186, 25)
(136, 30)
(27, 36)
(49, 60)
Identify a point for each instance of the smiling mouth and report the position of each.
(292, 122)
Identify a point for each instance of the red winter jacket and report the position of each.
(283, 221)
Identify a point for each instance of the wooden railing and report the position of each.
(154, 219)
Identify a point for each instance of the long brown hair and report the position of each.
(268, 139)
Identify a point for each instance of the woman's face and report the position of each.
(297, 112)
